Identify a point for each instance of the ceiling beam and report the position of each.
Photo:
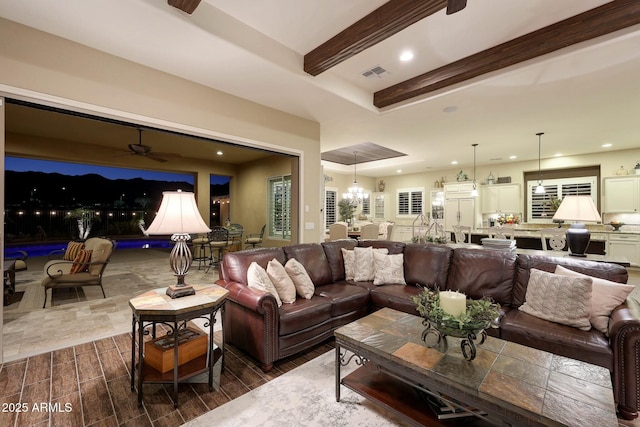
(389, 19)
(187, 6)
(605, 19)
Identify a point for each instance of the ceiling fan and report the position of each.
(454, 6)
(142, 150)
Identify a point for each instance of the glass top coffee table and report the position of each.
(506, 384)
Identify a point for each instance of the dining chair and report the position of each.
(337, 231)
(461, 232)
(501, 232)
(369, 232)
(557, 238)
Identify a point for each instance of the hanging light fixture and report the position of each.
(539, 188)
(355, 193)
(474, 192)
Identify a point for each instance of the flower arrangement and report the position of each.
(508, 219)
(479, 315)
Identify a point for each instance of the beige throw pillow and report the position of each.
(389, 269)
(282, 282)
(349, 257)
(605, 296)
(301, 280)
(364, 267)
(560, 299)
(257, 278)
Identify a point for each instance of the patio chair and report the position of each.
(219, 241)
(20, 258)
(255, 239)
(86, 269)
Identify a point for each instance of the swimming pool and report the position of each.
(44, 249)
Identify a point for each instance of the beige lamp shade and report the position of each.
(577, 208)
(178, 214)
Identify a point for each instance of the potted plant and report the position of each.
(345, 210)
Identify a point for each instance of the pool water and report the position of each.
(34, 250)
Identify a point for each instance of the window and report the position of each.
(330, 207)
(543, 206)
(410, 201)
(280, 207)
(366, 205)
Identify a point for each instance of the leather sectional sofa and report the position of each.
(255, 324)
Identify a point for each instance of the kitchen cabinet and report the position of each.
(381, 207)
(622, 194)
(437, 204)
(459, 207)
(500, 198)
(626, 245)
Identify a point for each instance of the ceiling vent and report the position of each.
(376, 71)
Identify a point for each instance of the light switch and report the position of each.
(309, 225)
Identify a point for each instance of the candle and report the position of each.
(453, 303)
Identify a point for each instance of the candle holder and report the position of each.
(469, 325)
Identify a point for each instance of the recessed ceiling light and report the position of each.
(607, 145)
(405, 56)
(399, 171)
(513, 157)
(450, 109)
(557, 155)
(219, 153)
(455, 162)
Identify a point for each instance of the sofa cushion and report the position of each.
(481, 273)
(344, 297)
(312, 256)
(396, 297)
(333, 252)
(427, 264)
(560, 299)
(257, 278)
(281, 281)
(589, 346)
(235, 265)
(392, 247)
(605, 296)
(303, 314)
(300, 277)
(525, 263)
(388, 269)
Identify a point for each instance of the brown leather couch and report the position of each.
(254, 323)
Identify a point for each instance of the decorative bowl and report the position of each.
(616, 225)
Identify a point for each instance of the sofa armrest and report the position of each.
(624, 336)
(253, 299)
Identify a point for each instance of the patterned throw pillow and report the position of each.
(349, 257)
(389, 269)
(560, 299)
(282, 282)
(72, 250)
(605, 296)
(81, 262)
(303, 283)
(257, 278)
(364, 267)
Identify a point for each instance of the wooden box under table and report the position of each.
(159, 352)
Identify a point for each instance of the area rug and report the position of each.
(304, 396)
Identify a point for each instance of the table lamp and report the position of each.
(178, 216)
(579, 209)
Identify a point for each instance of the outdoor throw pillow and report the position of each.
(301, 280)
(389, 269)
(605, 296)
(81, 262)
(282, 282)
(349, 257)
(257, 278)
(560, 299)
(72, 250)
(364, 267)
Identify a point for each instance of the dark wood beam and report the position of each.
(389, 19)
(605, 19)
(185, 5)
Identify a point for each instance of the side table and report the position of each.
(153, 307)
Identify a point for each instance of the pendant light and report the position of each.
(355, 193)
(474, 192)
(539, 188)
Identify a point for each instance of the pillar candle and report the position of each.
(453, 303)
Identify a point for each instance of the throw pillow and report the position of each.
(81, 262)
(257, 278)
(72, 250)
(349, 257)
(389, 269)
(301, 280)
(282, 282)
(364, 267)
(560, 299)
(605, 296)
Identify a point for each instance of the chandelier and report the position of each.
(539, 188)
(355, 194)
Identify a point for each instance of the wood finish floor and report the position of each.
(90, 385)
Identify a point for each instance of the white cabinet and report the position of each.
(381, 207)
(626, 245)
(501, 198)
(459, 207)
(622, 194)
(437, 204)
(458, 190)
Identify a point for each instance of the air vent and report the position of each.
(376, 71)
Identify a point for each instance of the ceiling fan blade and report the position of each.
(454, 6)
(187, 6)
(155, 157)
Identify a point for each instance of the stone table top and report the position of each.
(157, 303)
